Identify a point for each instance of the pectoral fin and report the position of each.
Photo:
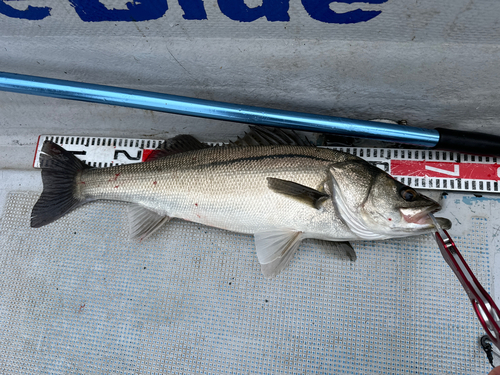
(297, 191)
(275, 249)
(144, 222)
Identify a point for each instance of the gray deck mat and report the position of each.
(78, 297)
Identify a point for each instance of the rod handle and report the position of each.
(468, 142)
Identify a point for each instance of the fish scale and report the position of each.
(225, 187)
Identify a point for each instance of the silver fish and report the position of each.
(280, 193)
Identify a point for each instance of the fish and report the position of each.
(269, 184)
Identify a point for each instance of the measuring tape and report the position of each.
(424, 169)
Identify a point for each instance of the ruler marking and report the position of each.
(417, 168)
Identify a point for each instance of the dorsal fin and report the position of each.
(176, 145)
(266, 136)
(257, 136)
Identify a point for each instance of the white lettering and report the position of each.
(455, 171)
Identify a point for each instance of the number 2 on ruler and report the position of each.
(455, 172)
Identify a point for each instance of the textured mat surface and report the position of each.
(78, 297)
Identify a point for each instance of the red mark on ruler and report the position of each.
(146, 153)
(36, 153)
(472, 171)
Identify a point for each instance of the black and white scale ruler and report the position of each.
(424, 169)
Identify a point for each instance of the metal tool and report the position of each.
(484, 306)
(444, 139)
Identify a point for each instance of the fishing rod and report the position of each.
(444, 139)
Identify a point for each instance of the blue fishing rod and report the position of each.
(445, 139)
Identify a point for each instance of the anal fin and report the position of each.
(143, 222)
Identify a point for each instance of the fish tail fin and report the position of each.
(59, 171)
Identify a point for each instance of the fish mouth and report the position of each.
(443, 222)
(422, 218)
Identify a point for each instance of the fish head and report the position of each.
(375, 205)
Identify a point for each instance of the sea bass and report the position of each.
(280, 193)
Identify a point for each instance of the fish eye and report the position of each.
(408, 195)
